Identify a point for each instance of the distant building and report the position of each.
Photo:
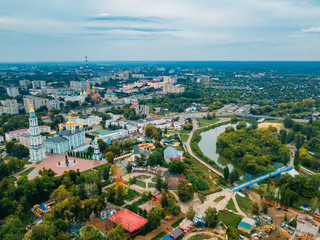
(38, 84)
(9, 106)
(89, 121)
(12, 91)
(16, 134)
(78, 85)
(24, 83)
(170, 88)
(36, 102)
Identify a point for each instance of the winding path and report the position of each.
(188, 147)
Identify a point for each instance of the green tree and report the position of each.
(283, 136)
(176, 166)
(241, 125)
(232, 233)
(60, 194)
(158, 180)
(91, 233)
(191, 213)
(226, 173)
(41, 232)
(255, 208)
(234, 176)
(185, 191)
(109, 157)
(173, 208)
(211, 217)
(12, 229)
(116, 233)
(288, 122)
(154, 217)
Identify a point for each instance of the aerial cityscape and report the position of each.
(160, 120)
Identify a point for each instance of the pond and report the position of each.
(208, 145)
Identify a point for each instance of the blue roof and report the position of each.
(305, 205)
(167, 238)
(245, 225)
(172, 153)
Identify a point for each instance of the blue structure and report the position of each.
(275, 171)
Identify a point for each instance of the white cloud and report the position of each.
(311, 30)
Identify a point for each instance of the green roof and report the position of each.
(245, 225)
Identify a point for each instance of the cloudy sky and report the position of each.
(60, 30)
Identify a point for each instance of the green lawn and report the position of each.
(176, 223)
(26, 172)
(151, 185)
(141, 183)
(153, 179)
(202, 198)
(6, 157)
(206, 122)
(184, 137)
(143, 177)
(231, 205)
(244, 203)
(131, 194)
(200, 236)
(229, 219)
(218, 199)
(159, 236)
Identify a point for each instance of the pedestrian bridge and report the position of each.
(275, 171)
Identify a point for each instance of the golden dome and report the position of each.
(60, 126)
(70, 122)
(87, 81)
(31, 107)
(72, 128)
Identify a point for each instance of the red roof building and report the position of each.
(129, 220)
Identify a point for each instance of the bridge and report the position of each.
(275, 171)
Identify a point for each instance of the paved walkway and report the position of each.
(221, 205)
(237, 205)
(187, 145)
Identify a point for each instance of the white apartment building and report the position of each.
(12, 91)
(16, 134)
(9, 106)
(35, 101)
(170, 88)
(89, 121)
(38, 84)
(78, 85)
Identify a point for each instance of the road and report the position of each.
(187, 145)
(292, 149)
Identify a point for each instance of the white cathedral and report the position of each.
(65, 140)
(36, 148)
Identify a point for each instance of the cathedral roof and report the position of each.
(57, 139)
(68, 132)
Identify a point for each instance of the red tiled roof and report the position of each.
(129, 220)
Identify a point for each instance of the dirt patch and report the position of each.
(148, 205)
(267, 124)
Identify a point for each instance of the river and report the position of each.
(208, 145)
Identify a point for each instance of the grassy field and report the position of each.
(159, 236)
(25, 173)
(244, 203)
(184, 137)
(141, 183)
(205, 122)
(132, 194)
(202, 198)
(151, 185)
(176, 223)
(218, 199)
(229, 219)
(200, 236)
(231, 205)
(154, 179)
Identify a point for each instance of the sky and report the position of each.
(159, 30)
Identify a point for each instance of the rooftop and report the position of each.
(129, 220)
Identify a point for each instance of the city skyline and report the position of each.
(159, 30)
